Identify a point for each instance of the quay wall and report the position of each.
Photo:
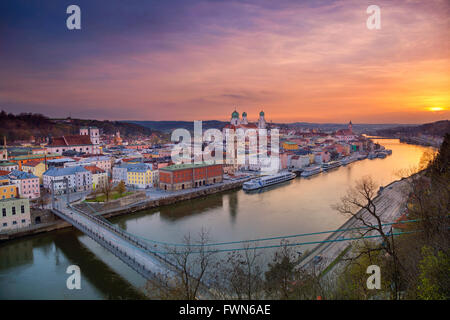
(121, 207)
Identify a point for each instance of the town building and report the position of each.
(290, 145)
(94, 134)
(14, 213)
(8, 190)
(346, 134)
(99, 177)
(24, 159)
(35, 167)
(4, 151)
(79, 143)
(141, 176)
(78, 178)
(28, 184)
(186, 176)
(119, 173)
(8, 166)
(102, 162)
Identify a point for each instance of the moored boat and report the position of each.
(265, 181)
(309, 171)
(331, 165)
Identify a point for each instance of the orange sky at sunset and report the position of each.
(311, 61)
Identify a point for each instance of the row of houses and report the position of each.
(26, 185)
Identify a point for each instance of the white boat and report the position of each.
(268, 181)
(331, 165)
(362, 156)
(309, 171)
(345, 161)
(372, 156)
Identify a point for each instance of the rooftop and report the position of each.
(16, 174)
(35, 156)
(56, 172)
(185, 166)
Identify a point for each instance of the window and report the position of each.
(5, 224)
(14, 222)
(22, 209)
(23, 220)
(4, 212)
(13, 210)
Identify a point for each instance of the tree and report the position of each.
(121, 187)
(434, 282)
(359, 203)
(239, 276)
(192, 266)
(107, 189)
(281, 274)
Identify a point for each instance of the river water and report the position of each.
(35, 267)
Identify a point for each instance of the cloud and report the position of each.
(198, 59)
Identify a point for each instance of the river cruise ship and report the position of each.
(268, 181)
(330, 165)
(310, 171)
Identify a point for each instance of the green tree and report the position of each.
(121, 188)
(434, 283)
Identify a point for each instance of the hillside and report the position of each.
(168, 126)
(436, 129)
(26, 125)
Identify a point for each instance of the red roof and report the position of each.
(4, 172)
(242, 126)
(32, 163)
(94, 169)
(74, 140)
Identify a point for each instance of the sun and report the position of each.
(434, 109)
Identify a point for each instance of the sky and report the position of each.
(312, 61)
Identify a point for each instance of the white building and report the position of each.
(79, 179)
(102, 162)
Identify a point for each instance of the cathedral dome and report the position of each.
(261, 113)
(235, 114)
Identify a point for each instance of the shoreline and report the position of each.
(143, 205)
(127, 209)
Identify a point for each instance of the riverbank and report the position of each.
(390, 202)
(121, 207)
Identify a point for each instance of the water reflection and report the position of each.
(35, 267)
(233, 205)
(95, 271)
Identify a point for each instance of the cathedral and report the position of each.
(242, 123)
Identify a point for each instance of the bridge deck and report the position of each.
(137, 254)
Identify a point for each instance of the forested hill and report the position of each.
(25, 125)
(437, 129)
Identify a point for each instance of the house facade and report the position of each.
(186, 176)
(28, 184)
(78, 178)
(14, 213)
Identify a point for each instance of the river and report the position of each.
(35, 267)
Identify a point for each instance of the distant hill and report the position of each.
(26, 125)
(168, 126)
(436, 129)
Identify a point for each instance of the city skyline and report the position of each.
(313, 61)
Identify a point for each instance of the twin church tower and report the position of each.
(237, 122)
